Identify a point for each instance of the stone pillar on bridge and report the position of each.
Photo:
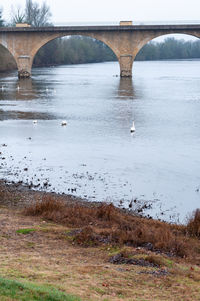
(126, 63)
(24, 64)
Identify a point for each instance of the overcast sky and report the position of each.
(65, 11)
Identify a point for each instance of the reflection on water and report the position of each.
(15, 91)
(6, 115)
(25, 84)
(126, 89)
(24, 89)
(95, 156)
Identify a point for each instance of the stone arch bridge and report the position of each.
(125, 41)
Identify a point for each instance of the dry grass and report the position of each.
(193, 225)
(108, 224)
(4, 195)
(46, 257)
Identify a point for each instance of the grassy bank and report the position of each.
(27, 291)
(94, 252)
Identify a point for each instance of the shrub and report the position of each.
(107, 224)
(193, 225)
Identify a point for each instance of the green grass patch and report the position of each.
(25, 231)
(31, 292)
(113, 250)
(98, 290)
(30, 244)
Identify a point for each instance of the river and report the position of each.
(95, 156)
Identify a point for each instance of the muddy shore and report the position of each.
(20, 196)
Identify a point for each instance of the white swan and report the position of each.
(132, 129)
(34, 121)
(64, 122)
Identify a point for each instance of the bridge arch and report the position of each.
(9, 61)
(153, 37)
(48, 39)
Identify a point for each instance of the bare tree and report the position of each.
(17, 15)
(1, 19)
(36, 15)
(33, 14)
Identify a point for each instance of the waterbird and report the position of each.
(132, 129)
(2, 88)
(34, 121)
(17, 88)
(64, 122)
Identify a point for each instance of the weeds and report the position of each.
(15, 290)
(25, 231)
(158, 260)
(110, 225)
(3, 195)
(193, 225)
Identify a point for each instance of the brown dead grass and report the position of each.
(108, 224)
(193, 225)
(45, 256)
(4, 195)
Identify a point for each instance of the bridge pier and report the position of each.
(23, 74)
(24, 66)
(126, 63)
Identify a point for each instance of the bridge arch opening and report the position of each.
(170, 47)
(7, 60)
(73, 49)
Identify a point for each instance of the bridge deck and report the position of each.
(101, 28)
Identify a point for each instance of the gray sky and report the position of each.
(65, 11)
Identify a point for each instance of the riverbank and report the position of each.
(94, 251)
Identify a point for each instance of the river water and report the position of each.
(95, 156)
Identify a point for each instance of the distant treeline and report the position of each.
(78, 50)
(170, 49)
(73, 50)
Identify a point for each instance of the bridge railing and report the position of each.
(138, 22)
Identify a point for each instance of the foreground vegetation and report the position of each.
(25, 291)
(106, 224)
(93, 251)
